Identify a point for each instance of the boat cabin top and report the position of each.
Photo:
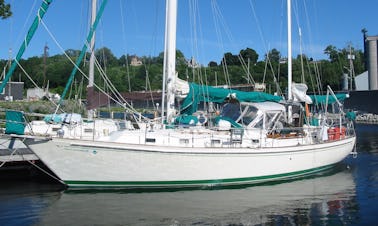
(263, 115)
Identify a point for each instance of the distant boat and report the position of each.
(257, 137)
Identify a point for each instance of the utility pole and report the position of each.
(351, 57)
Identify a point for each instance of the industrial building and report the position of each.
(12, 91)
(366, 93)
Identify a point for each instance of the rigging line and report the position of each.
(29, 77)
(318, 79)
(229, 35)
(124, 46)
(220, 40)
(113, 90)
(280, 43)
(318, 83)
(245, 68)
(217, 17)
(109, 83)
(296, 13)
(104, 76)
(155, 31)
(83, 28)
(265, 68)
(311, 78)
(193, 34)
(196, 31)
(10, 157)
(309, 26)
(148, 86)
(60, 47)
(269, 62)
(26, 21)
(258, 25)
(46, 172)
(264, 44)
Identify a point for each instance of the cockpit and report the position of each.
(264, 115)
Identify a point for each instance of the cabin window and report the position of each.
(249, 116)
(150, 140)
(184, 141)
(88, 130)
(215, 142)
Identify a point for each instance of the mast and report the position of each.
(90, 89)
(289, 60)
(170, 58)
(41, 12)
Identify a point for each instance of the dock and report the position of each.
(13, 150)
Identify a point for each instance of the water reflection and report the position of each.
(367, 138)
(308, 201)
(365, 173)
(346, 195)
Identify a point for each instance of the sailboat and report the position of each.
(256, 138)
(73, 125)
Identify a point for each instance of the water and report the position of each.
(347, 195)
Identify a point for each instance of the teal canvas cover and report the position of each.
(198, 93)
(15, 122)
(322, 99)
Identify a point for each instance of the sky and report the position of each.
(206, 29)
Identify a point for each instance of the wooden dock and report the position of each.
(13, 150)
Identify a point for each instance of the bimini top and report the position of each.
(266, 106)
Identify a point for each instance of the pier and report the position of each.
(13, 150)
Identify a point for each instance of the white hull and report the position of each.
(108, 164)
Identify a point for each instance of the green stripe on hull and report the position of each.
(194, 183)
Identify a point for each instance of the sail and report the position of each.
(198, 93)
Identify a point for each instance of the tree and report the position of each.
(274, 56)
(72, 53)
(106, 57)
(230, 59)
(124, 60)
(5, 10)
(180, 59)
(249, 54)
(332, 52)
(212, 64)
